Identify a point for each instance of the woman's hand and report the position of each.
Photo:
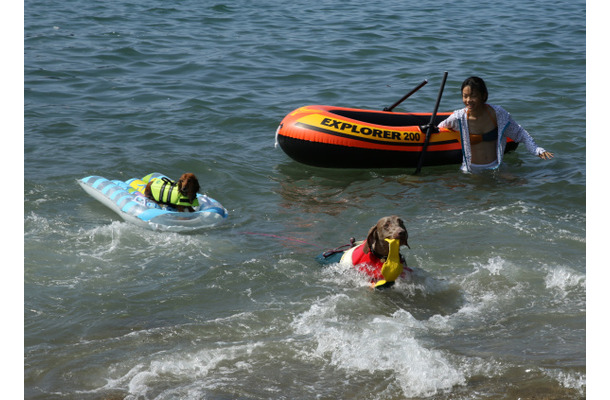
(545, 155)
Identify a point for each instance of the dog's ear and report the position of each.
(196, 186)
(371, 238)
(189, 186)
(183, 184)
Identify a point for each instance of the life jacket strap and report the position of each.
(166, 182)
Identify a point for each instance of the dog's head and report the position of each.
(188, 185)
(391, 227)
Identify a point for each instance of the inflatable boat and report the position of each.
(128, 201)
(339, 137)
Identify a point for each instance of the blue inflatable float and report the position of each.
(127, 199)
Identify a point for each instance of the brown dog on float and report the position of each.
(181, 194)
(370, 255)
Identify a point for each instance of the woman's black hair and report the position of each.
(477, 84)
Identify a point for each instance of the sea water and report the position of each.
(497, 306)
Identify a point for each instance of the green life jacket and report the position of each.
(167, 192)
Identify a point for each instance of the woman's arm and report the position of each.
(451, 122)
(520, 135)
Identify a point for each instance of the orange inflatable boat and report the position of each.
(339, 137)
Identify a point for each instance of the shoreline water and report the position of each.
(499, 304)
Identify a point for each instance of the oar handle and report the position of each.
(429, 128)
(438, 99)
(406, 96)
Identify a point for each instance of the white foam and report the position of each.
(570, 380)
(194, 367)
(564, 280)
(490, 286)
(343, 275)
(378, 345)
(494, 265)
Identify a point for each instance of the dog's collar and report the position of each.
(375, 254)
(382, 258)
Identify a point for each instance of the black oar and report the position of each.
(406, 96)
(431, 124)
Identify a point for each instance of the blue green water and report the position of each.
(497, 308)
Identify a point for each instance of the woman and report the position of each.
(484, 129)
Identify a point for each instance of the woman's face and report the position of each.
(472, 98)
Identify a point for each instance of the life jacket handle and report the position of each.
(166, 181)
(352, 243)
